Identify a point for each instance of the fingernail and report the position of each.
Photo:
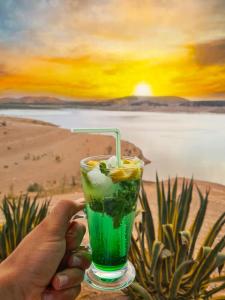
(63, 280)
(76, 261)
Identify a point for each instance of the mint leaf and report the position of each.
(122, 202)
(103, 168)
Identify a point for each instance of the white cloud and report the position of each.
(54, 27)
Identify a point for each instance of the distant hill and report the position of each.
(131, 103)
(31, 100)
(135, 102)
(159, 100)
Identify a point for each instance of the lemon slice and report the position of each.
(92, 163)
(136, 173)
(128, 161)
(125, 174)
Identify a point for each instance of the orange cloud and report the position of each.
(102, 49)
(102, 76)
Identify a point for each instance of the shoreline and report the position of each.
(150, 103)
(36, 155)
(173, 110)
(41, 143)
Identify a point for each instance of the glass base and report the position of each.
(110, 281)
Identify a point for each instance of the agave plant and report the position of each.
(21, 214)
(167, 263)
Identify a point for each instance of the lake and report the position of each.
(177, 143)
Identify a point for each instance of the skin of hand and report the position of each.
(47, 264)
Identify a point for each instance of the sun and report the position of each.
(143, 89)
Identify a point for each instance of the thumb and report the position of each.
(59, 218)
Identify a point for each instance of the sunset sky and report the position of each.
(99, 49)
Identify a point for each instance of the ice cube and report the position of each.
(112, 162)
(97, 178)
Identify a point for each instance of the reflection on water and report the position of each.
(178, 144)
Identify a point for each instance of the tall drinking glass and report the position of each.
(111, 193)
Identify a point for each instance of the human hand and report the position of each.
(45, 264)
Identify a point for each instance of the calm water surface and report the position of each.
(178, 144)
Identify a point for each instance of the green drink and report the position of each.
(111, 193)
(109, 245)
